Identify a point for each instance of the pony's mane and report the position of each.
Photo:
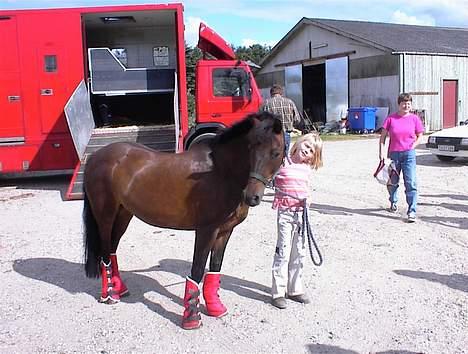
(243, 127)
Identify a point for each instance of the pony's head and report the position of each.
(267, 151)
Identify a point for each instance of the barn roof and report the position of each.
(391, 37)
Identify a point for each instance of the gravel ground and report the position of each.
(385, 286)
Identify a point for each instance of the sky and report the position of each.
(247, 22)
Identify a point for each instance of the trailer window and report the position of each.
(121, 54)
(50, 63)
(230, 82)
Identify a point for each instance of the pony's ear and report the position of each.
(277, 126)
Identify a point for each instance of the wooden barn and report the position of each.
(328, 66)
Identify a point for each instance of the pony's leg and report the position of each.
(204, 239)
(105, 216)
(120, 225)
(212, 280)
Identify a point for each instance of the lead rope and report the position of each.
(306, 229)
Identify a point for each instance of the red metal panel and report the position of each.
(58, 154)
(182, 77)
(18, 158)
(450, 97)
(11, 106)
(211, 42)
(53, 91)
(44, 33)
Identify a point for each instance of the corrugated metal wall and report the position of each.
(374, 81)
(424, 75)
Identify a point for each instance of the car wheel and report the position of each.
(445, 158)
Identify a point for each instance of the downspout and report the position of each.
(402, 72)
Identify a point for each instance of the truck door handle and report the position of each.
(216, 115)
(13, 98)
(47, 92)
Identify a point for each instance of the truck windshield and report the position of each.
(230, 82)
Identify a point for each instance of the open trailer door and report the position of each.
(211, 42)
(81, 124)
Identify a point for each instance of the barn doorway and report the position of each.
(314, 92)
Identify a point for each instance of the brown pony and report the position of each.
(207, 189)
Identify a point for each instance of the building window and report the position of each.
(161, 56)
(50, 63)
(121, 54)
(230, 82)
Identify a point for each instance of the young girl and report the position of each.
(292, 187)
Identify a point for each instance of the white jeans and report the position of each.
(288, 262)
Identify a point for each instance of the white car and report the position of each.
(449, 143)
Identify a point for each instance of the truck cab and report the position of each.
(225, 88)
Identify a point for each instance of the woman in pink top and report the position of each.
(292, 184)
(405, 130)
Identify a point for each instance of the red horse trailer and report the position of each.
(75, 79)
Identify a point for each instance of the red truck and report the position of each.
(75, 79)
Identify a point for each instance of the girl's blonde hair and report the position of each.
(314, 139)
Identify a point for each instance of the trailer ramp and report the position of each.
(160, 138)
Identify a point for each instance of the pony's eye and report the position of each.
(276, 154)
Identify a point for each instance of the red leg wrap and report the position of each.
(191, 318)
(108, 294)
(119, 285)
(214, 306)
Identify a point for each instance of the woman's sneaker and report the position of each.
(393, 208)
(411, 217)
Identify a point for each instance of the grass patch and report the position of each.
(344, 137)
(340, 137)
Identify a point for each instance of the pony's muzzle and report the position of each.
(254, 200)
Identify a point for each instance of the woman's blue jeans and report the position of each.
(405, 161)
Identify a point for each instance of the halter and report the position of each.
(259, 177)
(265, 181)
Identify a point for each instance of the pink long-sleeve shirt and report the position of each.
(293, 179)
(402, 131)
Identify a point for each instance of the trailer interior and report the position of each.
(132, 62)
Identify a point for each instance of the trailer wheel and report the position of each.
(201, 138)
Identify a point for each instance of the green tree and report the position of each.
(254, 53)
(192, 55)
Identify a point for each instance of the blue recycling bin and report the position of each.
(362, 119)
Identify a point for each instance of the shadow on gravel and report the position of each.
(432, 160)
(71, 277)
(451, 196)
(450, 206)
(337, 210)
(455, 281)
(49, 183)
(457, 223)
(331, 349)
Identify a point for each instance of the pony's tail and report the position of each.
(92, 244)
